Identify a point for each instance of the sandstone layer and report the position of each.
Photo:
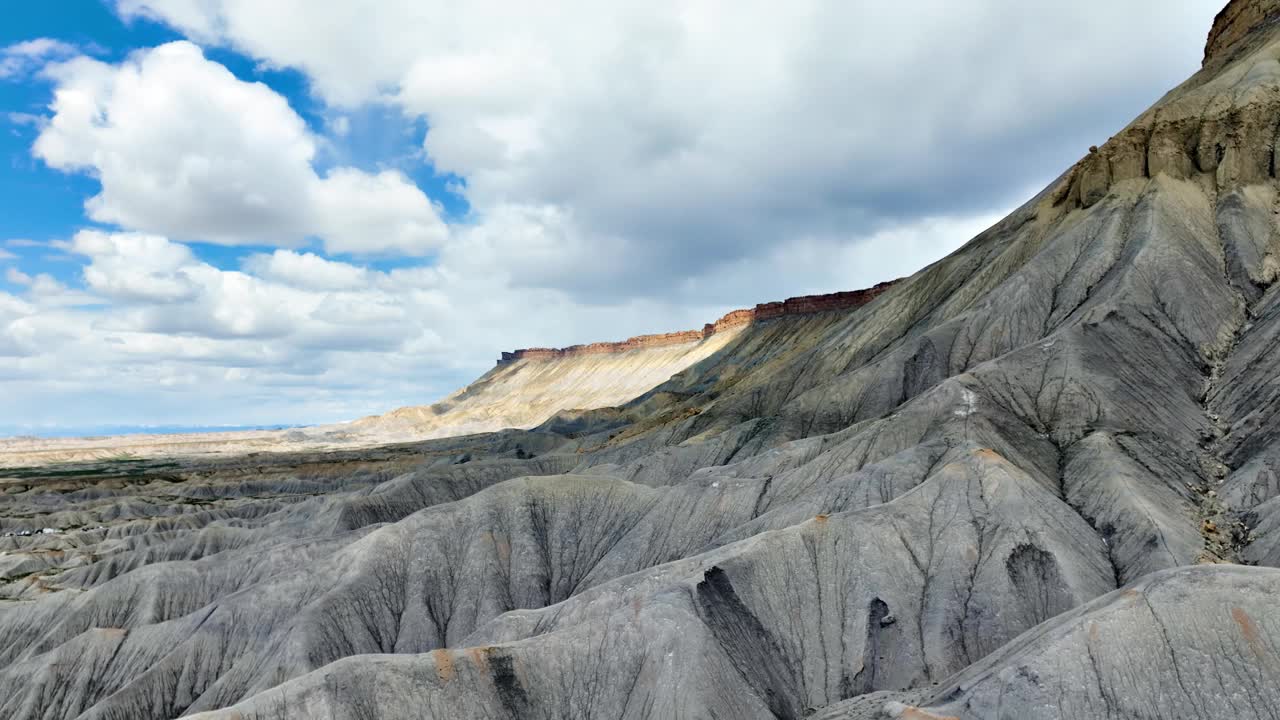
(802, 305)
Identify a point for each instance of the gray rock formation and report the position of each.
(1027, 482)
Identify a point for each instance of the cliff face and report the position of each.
(1218, 129)
(634, 343)
(1237, 21)
(802, 305)
(531, 385)
(807, 304)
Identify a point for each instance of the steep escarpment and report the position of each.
(531, 385)
(524, 391)
(1239, 21)
(1014, 485)
(802, 305)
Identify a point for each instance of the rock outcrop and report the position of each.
(638, 342)
(1218, 128)
(802, 305)
(1239, 21)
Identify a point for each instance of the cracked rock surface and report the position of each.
(1037, 479)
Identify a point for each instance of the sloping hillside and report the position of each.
(1022, 483)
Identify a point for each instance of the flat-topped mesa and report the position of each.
(599, 348)
(1236, 21)
(806, 304)
(802, 305)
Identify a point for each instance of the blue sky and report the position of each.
(230, 213)
(42, 204)
(38, 203)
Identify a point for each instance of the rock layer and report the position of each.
(802, 305)
(1238, 21)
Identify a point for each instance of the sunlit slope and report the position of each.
(526, 392)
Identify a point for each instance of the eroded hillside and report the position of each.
(1034, 480)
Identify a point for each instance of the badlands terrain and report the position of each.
(1036, 479)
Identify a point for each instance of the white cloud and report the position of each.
(12, 307)
(48, 292)
(184, 149)
(20, 59)
(181, 146)
(691, 135)
(307, 270)
(136, 268)
(28, 119)
(385, 212)
(340, 126)
(6, 255)
(12, 310)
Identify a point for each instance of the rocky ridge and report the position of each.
(1238, 21)
(802, 305)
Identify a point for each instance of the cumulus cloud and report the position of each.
(20, 59)
(184, 149)
(686, 136)
(307, 270)
(385, 211)
(12, 310)
(136, 268)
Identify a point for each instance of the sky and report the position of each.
(238, 213)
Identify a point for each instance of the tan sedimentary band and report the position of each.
(803, 305)
(1222, 130)
(1236, 21)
